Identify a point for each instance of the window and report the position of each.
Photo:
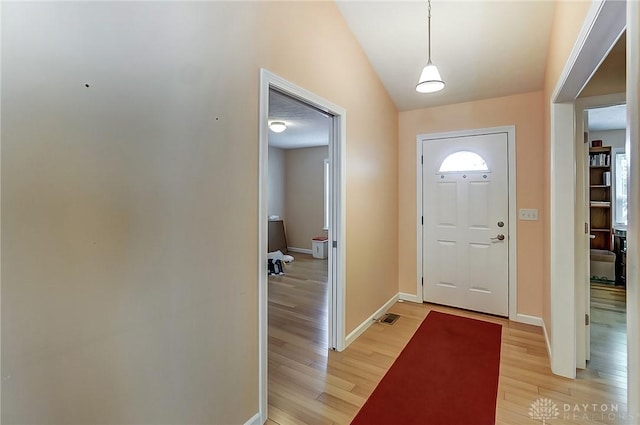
(326, 194)
(620, 188)
(463, 161)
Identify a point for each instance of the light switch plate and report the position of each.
(528, 214)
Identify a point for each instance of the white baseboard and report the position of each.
(255, 420)
(546, 339)
(368, 322)
(300, 250)
(410, 297)
(529, 320)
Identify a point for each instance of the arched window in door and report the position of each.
(463, 161)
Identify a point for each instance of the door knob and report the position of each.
(500, 237)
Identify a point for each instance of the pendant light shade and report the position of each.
(430, 80)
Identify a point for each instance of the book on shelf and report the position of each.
(600, 160)
(600, 203)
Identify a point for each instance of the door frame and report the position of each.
(337, 219)
(600, 30)
(513, 224)
(605, 21)
(633, 208)
(582, 213)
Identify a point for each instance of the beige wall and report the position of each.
(316, 37)
(129, 209)
(611, 74)
(525, 112)
(371, 145)
(567, 22)
(275, 189)
(304, 189)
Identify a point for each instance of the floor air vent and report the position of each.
(389, 318)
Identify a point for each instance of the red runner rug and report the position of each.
(446, 375)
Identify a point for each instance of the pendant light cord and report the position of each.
(429, 29)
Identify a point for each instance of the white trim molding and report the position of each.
(254, 420)
(529, 320)
(370, 320)
(547, 340)
(562, 267)
(513, 213)
(633, 227)
(419, 297)
(602, 27)
(403, 296)
(263, 178)
(300, 250)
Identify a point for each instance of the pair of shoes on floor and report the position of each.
(275, 267)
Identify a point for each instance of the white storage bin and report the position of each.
(319, 248)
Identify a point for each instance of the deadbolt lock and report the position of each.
(500, 224)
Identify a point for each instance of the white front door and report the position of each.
(466, 222)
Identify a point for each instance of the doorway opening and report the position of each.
(297, 238)
(301, 214)
(604, 181)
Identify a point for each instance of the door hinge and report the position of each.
(422, 281)
(422, 220)
(421, 159)
(586, 320)
(586, 228)
(334, 244)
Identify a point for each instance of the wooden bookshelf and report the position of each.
(600, 197)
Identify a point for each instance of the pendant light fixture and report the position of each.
(430, 80)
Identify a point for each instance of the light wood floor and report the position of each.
(309, 385)
(608, 362)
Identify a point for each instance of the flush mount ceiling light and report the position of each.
(277, 126)
(430, 80)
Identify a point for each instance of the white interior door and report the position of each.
(466, 222)
(583, 194)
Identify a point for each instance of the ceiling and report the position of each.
(609, 118)
(483, 49)
(306, 126)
